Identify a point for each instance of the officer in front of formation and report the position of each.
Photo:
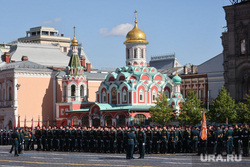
(142, 141)
(131, 143)
(16, 142)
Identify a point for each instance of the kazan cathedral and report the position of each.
(124, 97)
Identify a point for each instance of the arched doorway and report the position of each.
(85, 121)
(108, 120)
(96, 122)
(140, 119)
(120, 120)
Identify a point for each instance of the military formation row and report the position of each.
(172, 139)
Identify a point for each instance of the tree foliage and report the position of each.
(243, 110)
(223, 108)
(191, 113)
(162, 112)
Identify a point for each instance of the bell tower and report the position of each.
(136, 46)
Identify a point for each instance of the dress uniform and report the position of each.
(229, 136)
(99, 135)
(120, 139)
(44, 138)
(106, 140)
(245, 135)
(131, 143)
(149, 138)
(16, 142)
(50, 139)
(210, 140)
(79, 136)
(113, 140)
(142, 141)
(195, 139)
(172, 141)
(156, 140)
(38, 135)
(164, 140)
(237, 140)
(67, 139)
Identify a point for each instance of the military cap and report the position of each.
(132, 129)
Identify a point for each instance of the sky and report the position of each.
(189, 28)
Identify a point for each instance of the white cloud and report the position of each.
(55, 21)
(119, 30)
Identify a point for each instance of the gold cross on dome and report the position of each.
(74, 31)
(135, 15)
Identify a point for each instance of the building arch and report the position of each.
(85, 120)
(108, 120)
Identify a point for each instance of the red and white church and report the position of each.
(124, 97)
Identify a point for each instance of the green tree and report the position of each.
(243, 111)
(162, 112)
(191, 113)
(223, 108)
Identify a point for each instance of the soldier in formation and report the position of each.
(166, 139)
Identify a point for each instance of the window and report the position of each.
(64, 49)
(135, 52)
(124, 93)
(73, 90)
(45, 33)
(3, 94)
(81, 91)
(154, 96)
(64, 91)
(10, 94)
(104, 97)
(62, 111)
(127, 52)
(114, 94)
(75, 120)
(140, 119)
(142, 53)
(141, 96)
(243, 46)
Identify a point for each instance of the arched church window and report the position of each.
(127, 52)
(82, 91)
(10, 93)
(154, 95)
(124, 93)
(3, 94)
(73, 90)
(142, 53)
(113, 95)
(141, 95)
(104, 97)
(64, 91)
(135, 52)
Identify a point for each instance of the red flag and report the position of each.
(203, 126)
(38, 124)
(32, 124)
(227, 121)
(18, 121)
(24, 122)
(48, 122)
(14, 122)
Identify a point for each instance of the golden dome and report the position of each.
(74, 41)
(136, 35)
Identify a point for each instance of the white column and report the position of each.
(90, 122)
(77, 93)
